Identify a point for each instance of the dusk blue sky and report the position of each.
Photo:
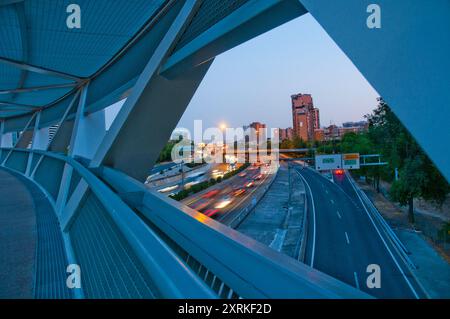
(254, 81)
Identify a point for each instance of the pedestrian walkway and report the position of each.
(32, 256)
(17, 238)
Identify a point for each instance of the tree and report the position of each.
(418, 177)
(286, 144)
(298, 142)
(410, 185)
(166, 152)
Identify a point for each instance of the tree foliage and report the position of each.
(418, 177)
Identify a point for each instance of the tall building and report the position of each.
(260, 130)
(285, 133)
(257, 126)
(316, 119)
(319, 134)
(355, 124)
(333, 132)
(304, 116)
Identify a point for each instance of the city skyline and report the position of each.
(239, 87)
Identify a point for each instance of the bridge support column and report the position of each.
(6, 139)
(152, 110)
(34, 142)
(41, 138)
(88, 131)
(91, 131)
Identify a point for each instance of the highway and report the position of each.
(343, 239)
(224, 201)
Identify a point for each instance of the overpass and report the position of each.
(89, 180)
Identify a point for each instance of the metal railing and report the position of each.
(122, 229)
(130, 251)
(403, 251)
(249, 268)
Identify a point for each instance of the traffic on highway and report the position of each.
(343, 239)
(224, 200)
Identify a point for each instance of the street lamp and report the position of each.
(257, 146)
(223, 127)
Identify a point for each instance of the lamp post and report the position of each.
(257, 146)
(223, 127)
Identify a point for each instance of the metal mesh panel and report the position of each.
(209, 13)
(214, 282)
(110, 268)
(3, 154)
(34, 161)
(49, 174)
(18, 161)
(51, 262)
(75, 179)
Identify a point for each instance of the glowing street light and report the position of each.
(223, 127)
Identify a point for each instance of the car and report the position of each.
(210, 212)
(242, 174)
(258, 177)
(201, 205)
(339, 171)
(250, 184)
(224, 202)
(239, 191)
(210, 193)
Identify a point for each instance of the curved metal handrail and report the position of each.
(170, 274)
(250, 268)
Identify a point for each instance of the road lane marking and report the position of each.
(326, 191)
(314, 220)
(278, 239)
(346, 238)
(332, 201)
(384, 242)
(339, 215)
(239, 203)
(356, 280)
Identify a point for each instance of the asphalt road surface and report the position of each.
(343, 240)
(224, 201)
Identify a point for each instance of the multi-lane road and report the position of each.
(226, 200)
(344, 239)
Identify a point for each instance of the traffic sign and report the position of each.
(350, 161)
(327, 162)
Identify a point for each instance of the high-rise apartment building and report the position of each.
(316, 119)
(285, 133)
(304, 116)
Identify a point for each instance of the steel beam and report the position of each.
(38, 88)
(61, 139)
(88, 130)
(27, 107)
(8, 2)
(33, 142)
(152, 110)
(40, 70)
(252, 19)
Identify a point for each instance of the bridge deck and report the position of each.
(31, 246)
